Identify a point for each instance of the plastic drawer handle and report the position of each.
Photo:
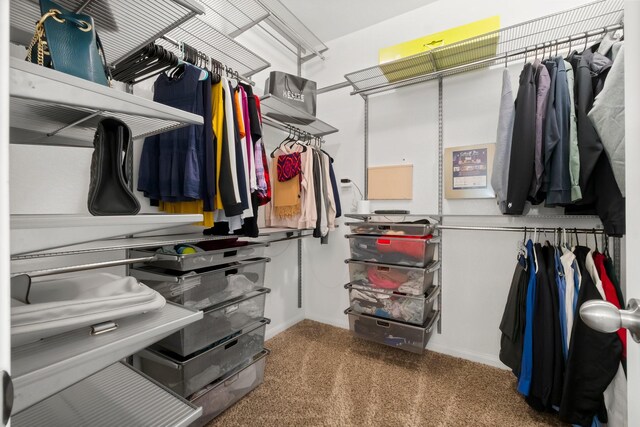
(231, 344)
(230, 272)
(384, 227)
(382, 324)
(382, 268)
(230, 253)
(232, 308)
(231, 380)
(384, 241)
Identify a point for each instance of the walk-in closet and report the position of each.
(319, 213)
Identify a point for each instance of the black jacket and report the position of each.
(597, 182)
(592, 363)
(524, 143)
(513, 319)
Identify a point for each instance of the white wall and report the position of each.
(477, 266)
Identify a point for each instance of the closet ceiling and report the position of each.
(330, 19)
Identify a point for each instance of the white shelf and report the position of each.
(53, 100)
(123, 26)
(279, 111)
(41, 369)
(30, 233)
(116, 396)
(233, 17)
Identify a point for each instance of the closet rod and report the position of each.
(277, 124)
(522, 229)
(82, 267)
(239, 76)
(498, 58)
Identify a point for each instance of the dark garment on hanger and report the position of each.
(526, 367)
(559, 184)
(232, 207)
(209, 148)
(170, 164)
(242, 178)
(524, 143)
(593, 360)
(600, 191)
(249, 225)
(551, 133)
(513, 319)
(334, 187)
(317, 179)
(545, 323)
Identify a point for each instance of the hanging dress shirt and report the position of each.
(543, 82)
(574, 153)
(502, 157)
(526, 367)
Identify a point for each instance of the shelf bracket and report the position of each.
(248, 26)
(77, 122)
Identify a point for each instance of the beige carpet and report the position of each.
(318, 375)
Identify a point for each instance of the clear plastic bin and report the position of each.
(392, 305)
(394, 228)
(198, 260)
(408, 280)
(218, 322)
(204, 288)
(409, 251)
(394, 334)
(215, 398)
(186, 376)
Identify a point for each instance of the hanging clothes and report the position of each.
(502, 157)
(512, 324)
(526, 366)
(522, 157)
(574, 151)
(600, 191)
(543, 84)
(582, 397)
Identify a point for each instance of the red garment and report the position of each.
(413, 246)
(611, 294)
(386, 278)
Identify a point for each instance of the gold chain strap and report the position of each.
(39, 36)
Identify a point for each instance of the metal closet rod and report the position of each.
(522, 229)
(287, 127)
(237, 75)
(494, 59)
(83, 267)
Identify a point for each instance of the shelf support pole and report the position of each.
(440, 185)
(299, 70)
(77, 122)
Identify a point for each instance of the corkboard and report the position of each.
(390, 182)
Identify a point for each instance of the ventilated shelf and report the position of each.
(53, 108)
(200, 34)
(116, 396)
(44, 368)
(572, 28)
(30, 233)
(287, 25)
(281, 112)
(123, 26)
(233, 17)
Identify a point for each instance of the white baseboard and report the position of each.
(485, 359)
(273, 330)
(329, 321)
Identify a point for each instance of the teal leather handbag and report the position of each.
(68, 42)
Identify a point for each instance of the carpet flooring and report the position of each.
(319, 375)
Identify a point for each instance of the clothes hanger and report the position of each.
(575, 231)
(535, 255)
(595, 239)
(285, 140)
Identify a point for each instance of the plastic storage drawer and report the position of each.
(394, 334)
(185, 376)
(409, 251)
(224, 393)
(198, 260)
(392, 305)
(207, 287)
(394, 228)
(218, 322)
(408, 280)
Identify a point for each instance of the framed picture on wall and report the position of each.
(467, 172)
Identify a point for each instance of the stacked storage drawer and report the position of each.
(391, 290)
(201, 361)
